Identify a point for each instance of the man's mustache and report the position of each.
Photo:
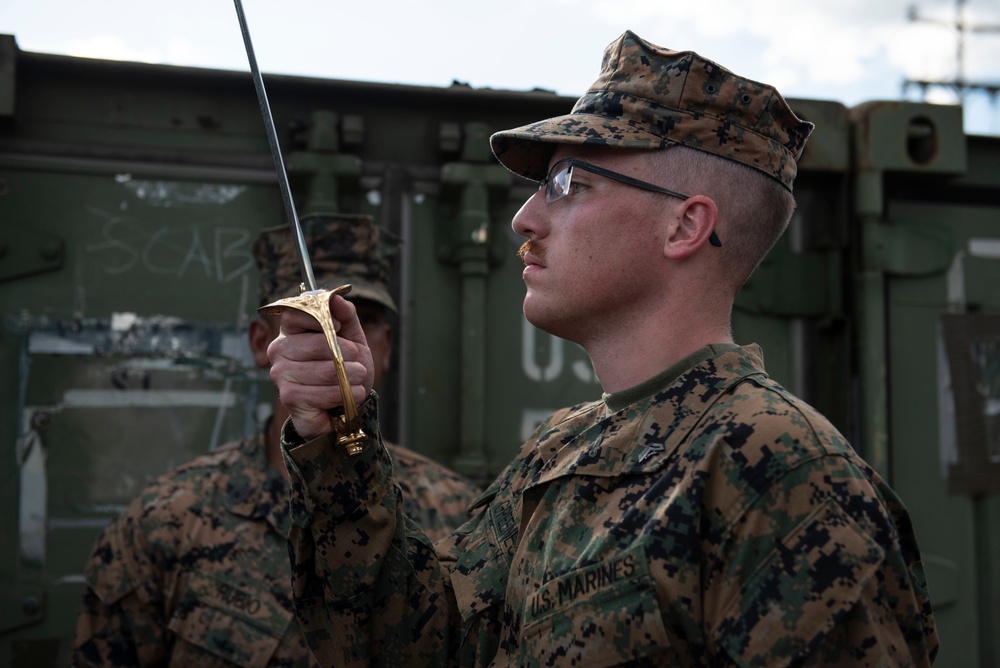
(533, 247)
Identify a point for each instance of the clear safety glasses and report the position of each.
(558, 184)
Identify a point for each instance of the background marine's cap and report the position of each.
(648, 97)
(343, 248)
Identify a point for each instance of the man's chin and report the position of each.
(539, 316)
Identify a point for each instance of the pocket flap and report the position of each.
(605, 614)
(239, 624)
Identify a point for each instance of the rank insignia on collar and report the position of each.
(653, 449)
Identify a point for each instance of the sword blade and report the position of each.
(305, 265)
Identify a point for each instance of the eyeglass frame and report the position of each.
(571, 163)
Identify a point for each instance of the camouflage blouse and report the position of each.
(196, 572)
(707, 517)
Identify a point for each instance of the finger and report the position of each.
(345, 317)
(294, 321)
(307, 359)
(303, 347)
(308, 394)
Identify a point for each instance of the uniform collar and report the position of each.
(619, 400)
(613, 438)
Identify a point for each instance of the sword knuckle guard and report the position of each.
(317, 305)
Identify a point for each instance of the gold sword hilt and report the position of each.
(317, 304)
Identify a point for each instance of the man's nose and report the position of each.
(528, 220)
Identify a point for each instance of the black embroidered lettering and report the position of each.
(629, 562)
(565, 591)
(606, 574)
(591, 582)
(504, 524)
(237, 598)
(541, 603)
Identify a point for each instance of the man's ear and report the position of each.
(260, 333)
(388, 348)
(694, 224)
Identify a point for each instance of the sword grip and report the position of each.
(317, 304)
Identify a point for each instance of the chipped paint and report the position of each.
(985, 248)
(41, 343)
(138, 338)
(173, 193)
(121, 322)
(80, 398)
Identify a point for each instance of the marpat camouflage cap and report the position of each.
(648, 97)
(343, 248)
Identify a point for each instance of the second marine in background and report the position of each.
(195, 571)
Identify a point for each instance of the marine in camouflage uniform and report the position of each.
(704, 516)
(195, 572)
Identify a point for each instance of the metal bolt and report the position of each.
(50, 250)
(30, 606)
(41, 421)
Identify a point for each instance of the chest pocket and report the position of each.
(235, 625)
(605, 614)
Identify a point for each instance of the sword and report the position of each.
(313, 301)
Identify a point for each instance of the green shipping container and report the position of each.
(130, 195)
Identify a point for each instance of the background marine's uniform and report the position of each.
(706, 516)
(195, 572)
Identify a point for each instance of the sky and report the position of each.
(850, 51)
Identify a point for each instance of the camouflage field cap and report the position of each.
(343, 248)
(648, 97)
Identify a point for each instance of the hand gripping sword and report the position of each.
(312, 301)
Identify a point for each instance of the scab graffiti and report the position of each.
(214, 252)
